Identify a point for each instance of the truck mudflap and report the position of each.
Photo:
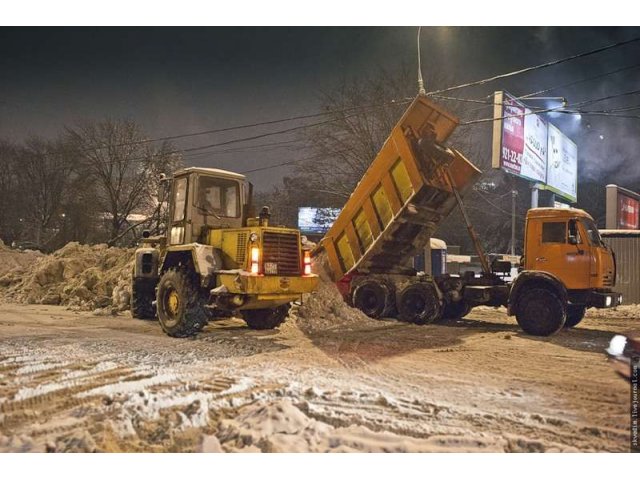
(604, 299)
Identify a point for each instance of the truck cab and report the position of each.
(218, 259)
(565, 262)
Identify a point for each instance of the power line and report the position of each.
(536, 67)
(486, 102)
(602, 114)
(560, 109)
(609, 97)
(292, 162)
(268, 134)
(243, 139)
(496, 206)
(570, 84)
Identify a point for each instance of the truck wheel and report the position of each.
(266, 318)
(374, 298)
(181, 307)
(575, 314)
(456, 310)
(419, 303)
(143, 294)
(540, 312)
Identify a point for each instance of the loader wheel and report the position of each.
(181, 307)
(456, 310)
(575, 314)
(540, 312)
(419, 303)
(266, 318)
(374, 298)
(143, 294)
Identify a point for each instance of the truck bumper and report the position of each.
(604, 299)
(263, 291)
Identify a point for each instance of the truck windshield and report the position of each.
(592, 232)
(218, 196)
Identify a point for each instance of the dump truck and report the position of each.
(411, 186)
(218, 258)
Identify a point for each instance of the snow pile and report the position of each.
(623, 311)
(81, 276)
(11, 259)
(280, 426)
(325, 308)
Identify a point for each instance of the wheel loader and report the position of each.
(218, 259)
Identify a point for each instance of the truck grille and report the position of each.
(283, 250)
(608, 280)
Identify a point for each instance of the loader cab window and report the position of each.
(218, 197)
(179, 199)
(554, 232)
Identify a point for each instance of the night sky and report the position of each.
(180, 80)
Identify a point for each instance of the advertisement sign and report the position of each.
(628, 212)
(523, 149)
(526, 145)
(562, 164)
(313, 220)
(622, 208)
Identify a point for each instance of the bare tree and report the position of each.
(42, 171)
(343, 149)
(8, 192)
(125, 167)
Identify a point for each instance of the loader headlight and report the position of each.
(307, 262)
(255, 259)
(253, 237)
(607, 301)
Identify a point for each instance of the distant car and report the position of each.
(26, 245)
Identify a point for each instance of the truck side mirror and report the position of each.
(572, 238)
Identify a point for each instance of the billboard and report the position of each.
(526, 145)
(627, 212)
(623, 209)
(314, 220)
(562, 164)
(523, 141)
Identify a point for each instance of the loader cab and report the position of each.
(566, 243)
(206, 198)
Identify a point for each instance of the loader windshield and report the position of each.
(219, 197)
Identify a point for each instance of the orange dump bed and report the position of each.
(403, 196)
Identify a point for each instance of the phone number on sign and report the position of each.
(511, 156)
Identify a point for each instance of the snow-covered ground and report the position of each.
(73, 381)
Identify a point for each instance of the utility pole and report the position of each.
(534, 195)
(514, 194)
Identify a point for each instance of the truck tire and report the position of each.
(180, 305)
(540, 312)
(143, 294)
(266, 318)
(419, 303)
(575, 314)
(456, 310)
(374, 298)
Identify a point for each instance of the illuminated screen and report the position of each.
(316, 220)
